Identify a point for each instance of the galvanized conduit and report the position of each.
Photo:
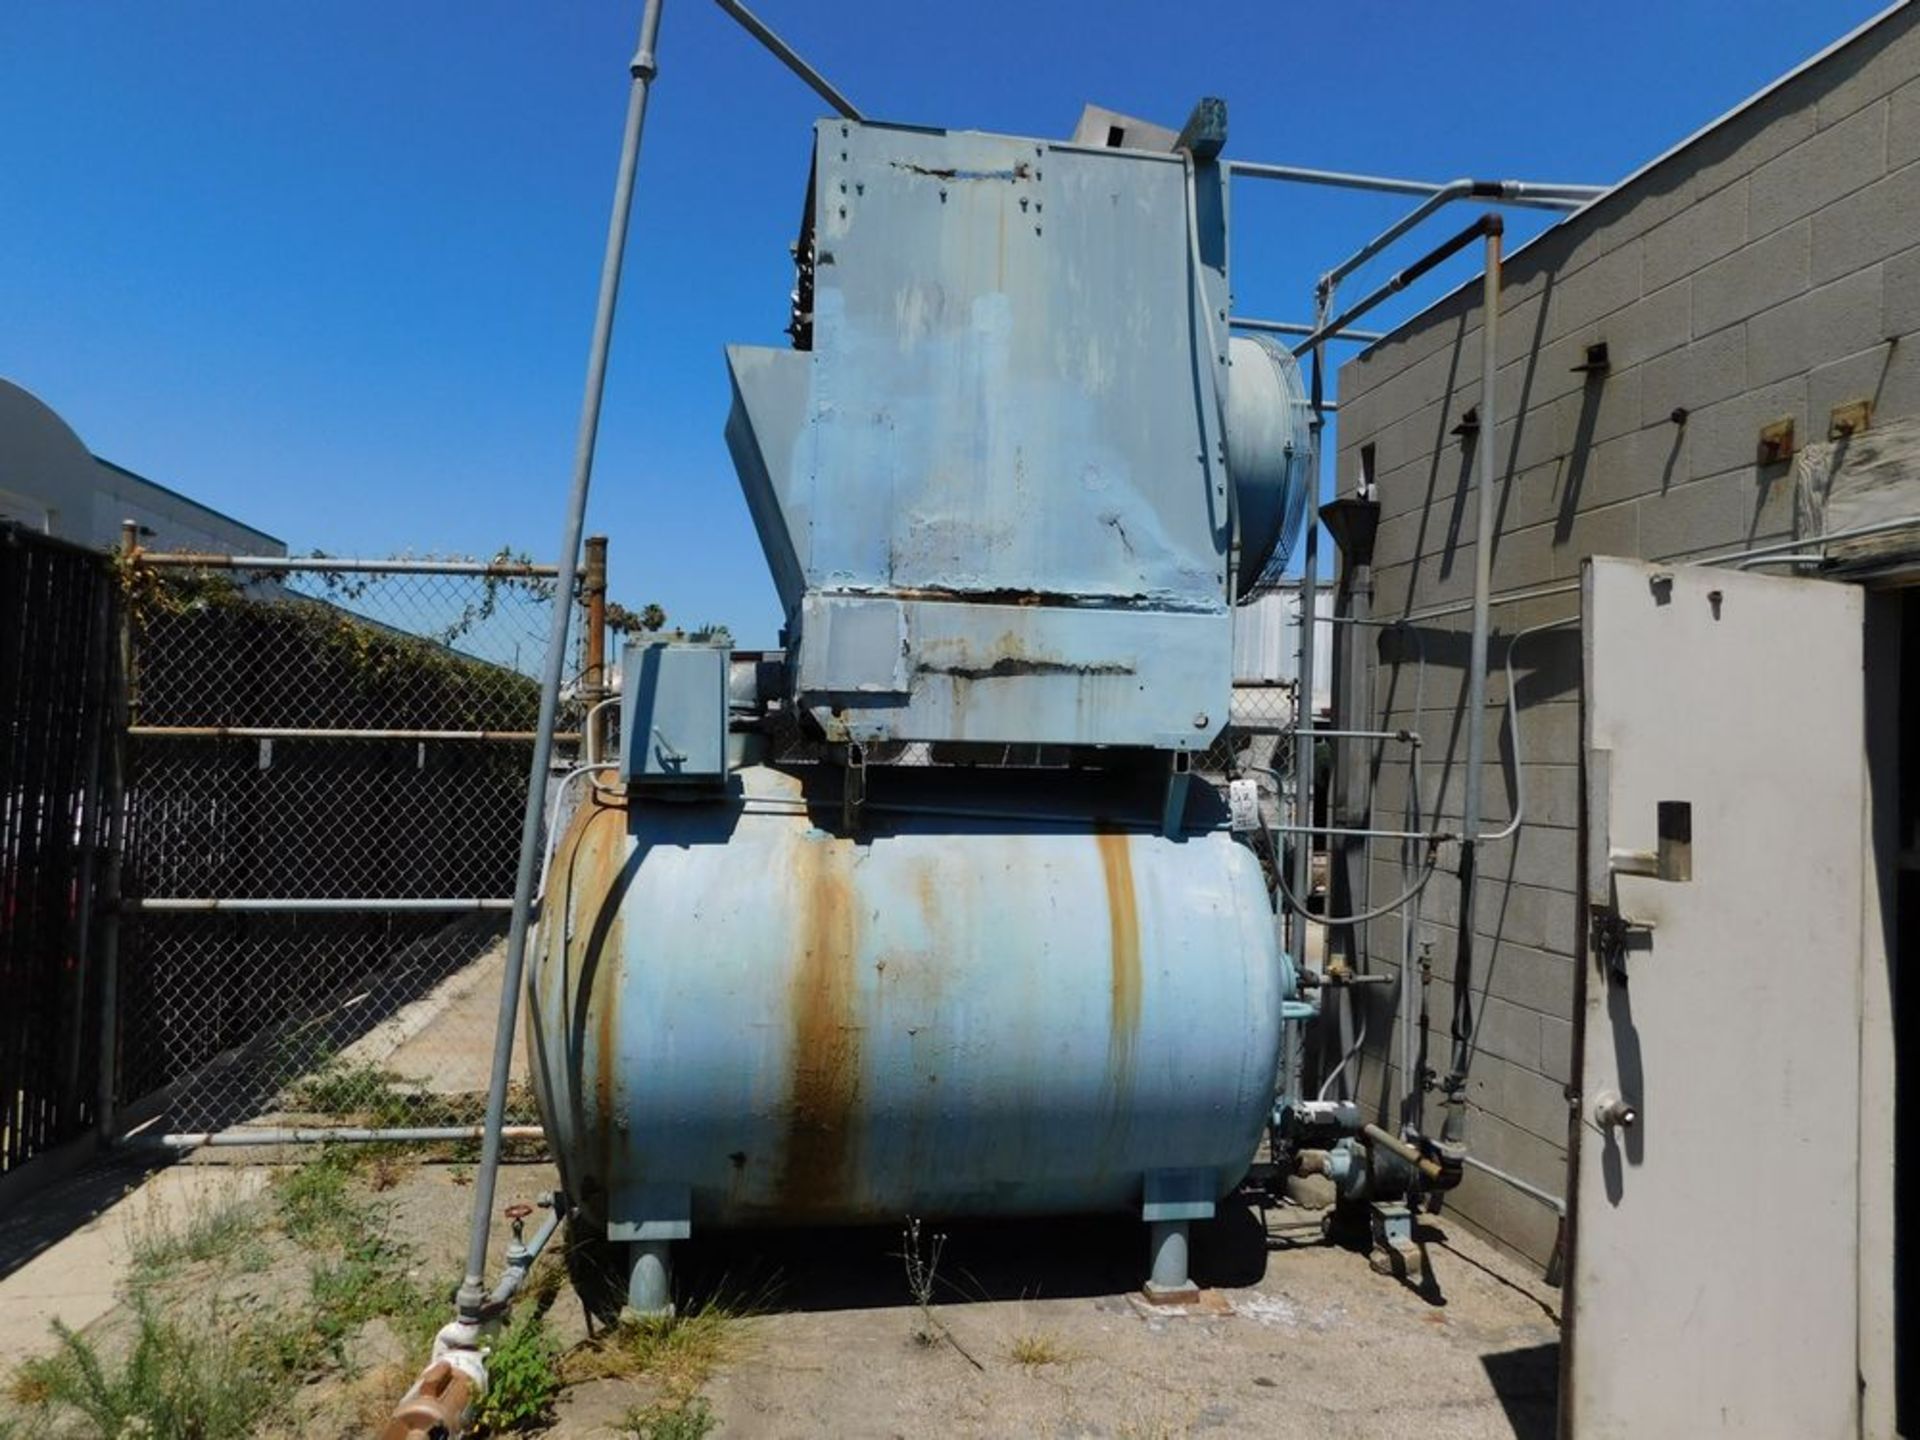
(472, 1298)
(1453, 1130)
(1736, 558)
(328, 1135)
(790, 58)
(1498, 192)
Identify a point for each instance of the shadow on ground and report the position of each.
(1528, 1384)
(42, 1219)
(863, 1268)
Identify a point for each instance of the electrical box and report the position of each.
(674, 707)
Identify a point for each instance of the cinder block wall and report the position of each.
(1769, 268)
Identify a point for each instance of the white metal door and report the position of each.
(1715, 1187)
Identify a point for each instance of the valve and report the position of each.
(517, 1248)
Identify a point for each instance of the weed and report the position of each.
(522, 1375)
(343, 1088)
(222, 1229)
(1036, 1347)
(677, 1352)
(923, 1269)
(197, 1381)
(316, 1202)
(687, 1419)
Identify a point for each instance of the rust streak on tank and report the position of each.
(602, 837)
(823, 1000)
(1123, 925)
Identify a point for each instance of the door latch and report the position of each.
(1614, 934)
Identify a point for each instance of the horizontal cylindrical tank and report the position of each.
(948, 1015)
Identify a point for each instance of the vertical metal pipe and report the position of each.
(1303, 726)
(593, 669)
(1454, 1130)
(473, 1291)
(113, 872)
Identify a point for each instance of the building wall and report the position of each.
(50, 482)
(1769, 268)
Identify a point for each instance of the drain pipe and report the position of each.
(1453, 1133)
(471, 1304)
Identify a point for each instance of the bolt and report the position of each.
(1200, 721)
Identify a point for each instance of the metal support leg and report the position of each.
(1394, 1250)
(1168, 1282)
(649, 1279)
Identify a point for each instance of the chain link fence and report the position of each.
(326, 771)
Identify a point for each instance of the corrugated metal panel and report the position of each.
(1266, 641)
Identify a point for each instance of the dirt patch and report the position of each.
(814, 1333)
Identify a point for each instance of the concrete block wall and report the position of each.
(1768, 269)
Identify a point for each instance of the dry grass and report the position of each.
(676, 1353)
(1037, 1347)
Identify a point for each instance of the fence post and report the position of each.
(99, 674)
(114, 799)
(593, 674)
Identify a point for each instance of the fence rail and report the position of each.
(327, 765)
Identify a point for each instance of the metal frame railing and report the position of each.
(470, 679)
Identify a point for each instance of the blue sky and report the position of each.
(331, 267)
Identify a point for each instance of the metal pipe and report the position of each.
(286, 564)
(520, 1263)
(1398, 281)
(1453, 1129)
(790, 58)
(299, 905)
(1545, 1197)
(1546, 196)
(1295, 327)
(471, 1301)
(1731, 557)
(296, 732)
(1410, 737)
(1518, 818)
(1412, 1154)
(593, 595)
(1333, 921)
(113, 872)
(1412, 1106)
(320, 1134)
(1354, 834)
(1498, 192)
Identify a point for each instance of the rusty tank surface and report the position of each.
(984, 941)
(945, 1016)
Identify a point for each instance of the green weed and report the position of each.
(687, 1419)
(198, 1381)
(523, 1376)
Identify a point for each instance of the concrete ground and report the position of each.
(1038, 1331)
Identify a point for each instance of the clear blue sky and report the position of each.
(331, 267)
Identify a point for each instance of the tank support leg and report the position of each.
(650, 1278)
(1173, 1200)
(1167, 1278)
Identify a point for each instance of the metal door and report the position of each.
(1715, 1184)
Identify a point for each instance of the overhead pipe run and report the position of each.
(1509, 192)
(1486, 225)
